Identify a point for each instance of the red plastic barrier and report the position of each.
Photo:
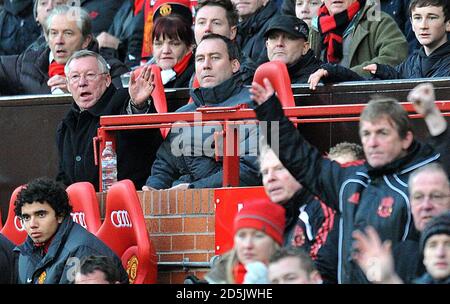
(228, 202)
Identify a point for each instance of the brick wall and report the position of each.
(181, 227)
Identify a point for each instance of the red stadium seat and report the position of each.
(13, 228)
(85, 206)
(124, 231)
(278, 75)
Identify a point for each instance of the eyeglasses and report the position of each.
(90, 76)
(437, 198)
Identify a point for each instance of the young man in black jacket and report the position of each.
(375, 193)
(55, 244)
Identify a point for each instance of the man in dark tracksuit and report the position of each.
(8, 269)
(55, 245)
(186, 159)
(375, 193)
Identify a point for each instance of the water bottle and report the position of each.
(109, 166)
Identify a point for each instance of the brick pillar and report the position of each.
(181, 227)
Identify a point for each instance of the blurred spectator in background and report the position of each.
(41, 70)
(254, 18)
(292, 266)
(18, 29)
(101, 13)
(97, 270)
(345, 33)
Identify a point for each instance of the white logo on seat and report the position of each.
(80, 218)
(120, 219)
(18, 224)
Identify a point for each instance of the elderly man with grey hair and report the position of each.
(89, 82)
(40, 68)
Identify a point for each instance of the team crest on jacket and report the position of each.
(385, 207)
(354, 198)
(298, 238)
(42, 278)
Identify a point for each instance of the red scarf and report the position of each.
(138, 6)
(181, 65)
(333, 27)
(239, 272)
(55, 69)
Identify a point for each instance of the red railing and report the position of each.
(229, 118)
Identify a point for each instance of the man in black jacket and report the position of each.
(287, 41)
(55, 244)
(89, 82)
(375, 193)
(187, 159)
(254, 17)
(8, 269)
(40, 68)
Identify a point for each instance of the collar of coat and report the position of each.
(219, 93)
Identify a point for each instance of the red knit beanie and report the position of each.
(262, 215)
(176, 7)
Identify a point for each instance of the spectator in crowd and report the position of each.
(89, 82)
(287, 41)
(183, 161)
(305, 10)
(17, 27)
(374, 193)
(101, 13)
(97, 270)
(310, 223)
(429, 196)
(55, 243)
(343, 34)
(221, 17)
(254, 17)
(142, 33)
(292, 266)
(8, 267)
(375, 258)
(115, 42)
(41, 70)
(173, 41)
(431, 23)
(41, 10)
(258, 233)
(346, 153)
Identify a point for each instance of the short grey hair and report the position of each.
(81, 17)
(434, 167)
(103, 66)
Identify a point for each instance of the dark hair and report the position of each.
(232, 48)
(173, 27)
(390, 108)
(44, 190)
(423, 3)
(227, 5)
(104, 264)
(305, 260)
(346, 148)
